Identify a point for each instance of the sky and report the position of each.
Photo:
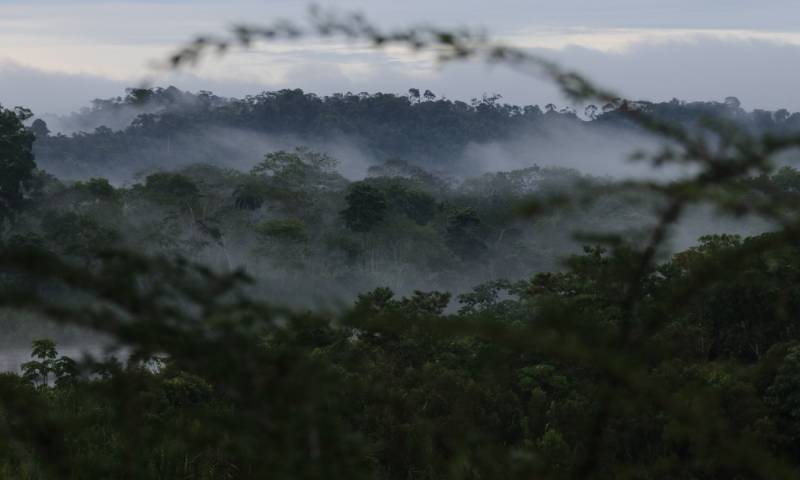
(57, 55)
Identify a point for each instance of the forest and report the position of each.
(353, 286)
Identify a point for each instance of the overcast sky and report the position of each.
(56, 55)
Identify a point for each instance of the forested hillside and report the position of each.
(278, 318)
(165, 127)
(395, 286)
(297, 216)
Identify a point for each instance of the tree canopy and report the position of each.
(624, 359)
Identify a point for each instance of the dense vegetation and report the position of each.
(506, 378)
(389, 392)
(467, 348)
(166, 126)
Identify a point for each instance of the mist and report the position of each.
(599, 150)
(395, 240)
(554, 154)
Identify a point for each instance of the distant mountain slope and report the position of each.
(153, 128)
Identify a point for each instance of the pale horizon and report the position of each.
(56, 56)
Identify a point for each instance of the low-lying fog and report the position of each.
(603, 152)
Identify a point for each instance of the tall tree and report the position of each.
(17, 164)
(366, 207)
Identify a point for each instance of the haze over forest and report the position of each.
(481, 158)
(398, 248)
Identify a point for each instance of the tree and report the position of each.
(579, 383)
(783, 396)
(138, 96)
(302, 168)
(99, 188)
(285, 240)
(64, 370)
(77, 235)
(732, 103)
(366, 207)
(170, 188)
(412, 202)
(17, 163)
(38, 371)
(39, 128)
(251, 194)
(465, 235)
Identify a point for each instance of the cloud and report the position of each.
(763, 74)
(60, 53)
(497, 15)
(54, 92)
(51, 91)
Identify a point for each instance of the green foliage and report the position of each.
(366, 207)
(64, 370)
(290, 230)
(99, 188)
(783, 397)
(170, 188)
(77, 235)
(39, 128)
(397, 387)
(250, 195)
(17, 164)
(623, 363)
(294, 165)
(466, 235)
(296, 181)
(414, 203)
(301, 168)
